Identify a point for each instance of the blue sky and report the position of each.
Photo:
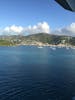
(30, 12)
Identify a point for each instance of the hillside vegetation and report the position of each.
(37, 38)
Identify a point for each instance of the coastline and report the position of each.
(42, 45)
(47, 45)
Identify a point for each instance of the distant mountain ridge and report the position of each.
(35, 39)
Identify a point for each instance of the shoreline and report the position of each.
(44, 45)
(49, 45)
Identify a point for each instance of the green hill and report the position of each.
(37, 38)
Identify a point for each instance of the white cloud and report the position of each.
(16, 30)
(44, 27)
(41, 27)
(69, 30)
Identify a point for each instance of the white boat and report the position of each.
(67, 48)
(40, 47)
(53, 48)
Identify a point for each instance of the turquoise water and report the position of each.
(31, 73)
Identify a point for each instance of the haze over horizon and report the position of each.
(35, 16)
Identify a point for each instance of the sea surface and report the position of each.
(32, 73)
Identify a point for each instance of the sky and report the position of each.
(33, 16)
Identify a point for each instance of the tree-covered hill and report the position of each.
(36, 38)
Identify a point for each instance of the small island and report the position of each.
(40, 39)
